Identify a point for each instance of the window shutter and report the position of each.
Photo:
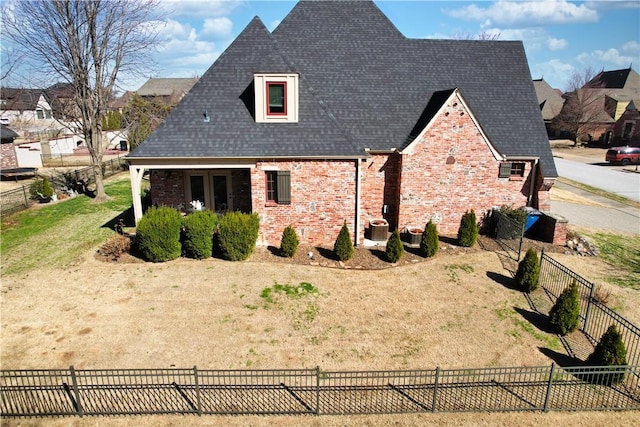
(505, 170)
(284, 187)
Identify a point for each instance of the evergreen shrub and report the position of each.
(395, 249)
(564, 316)
(237, 235)
(289, 242)
(610, 351)
(158, 234)
(429, 244)
(197, 234)
(41, 188)
(528, 274)
(468, 231)
(343, 246)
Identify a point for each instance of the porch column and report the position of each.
(136, 173)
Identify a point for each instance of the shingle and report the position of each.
(362, 85)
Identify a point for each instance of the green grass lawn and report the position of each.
(59, 233)
(623, 252)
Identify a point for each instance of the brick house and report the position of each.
(336, 116)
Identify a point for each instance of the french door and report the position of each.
(213, 188)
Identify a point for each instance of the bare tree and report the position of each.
(484, 35)
(583, 111)
(87, 43)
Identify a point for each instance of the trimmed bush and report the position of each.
(158, 234)
(528, 274)
(343, 247)
(289, 242)
(197, 234)
(610, 351)
(237, 235)
(468, 231)
(429, 244)
(564, 316)
(41, 188)
(395, 249)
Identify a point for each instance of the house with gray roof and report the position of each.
(336, 117)
(551, 102)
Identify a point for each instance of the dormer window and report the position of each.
(276, 98)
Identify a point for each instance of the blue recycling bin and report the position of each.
(533, 215)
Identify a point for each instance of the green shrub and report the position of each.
(519, 215)
(41, 188)
(197, 235)
(564, 316)
(343, 247)
(158, 234)
(468, 231)
(610, 351)
(429, 244)
(289, 242)
(395, 249)
(237, 235)
(528, 274)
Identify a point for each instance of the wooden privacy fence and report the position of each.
(595, 317)
(314, 392)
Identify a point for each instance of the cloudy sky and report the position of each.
(559, 36)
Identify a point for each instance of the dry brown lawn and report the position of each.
(456, 310)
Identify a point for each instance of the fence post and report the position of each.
(586, 314)
(317, 390)
(195, 377)
(74, 381)
(521, 240)
(435, 391)
(550, 382)
(24, 192)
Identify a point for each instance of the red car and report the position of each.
(624, 155)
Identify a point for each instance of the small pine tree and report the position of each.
(528, 274)
(395, 249)
(564, 316)
(429, 244)
(289, 242)
(468, 231)
(610, 351)
(343, 247)
(47, 189)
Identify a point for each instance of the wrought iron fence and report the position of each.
(315, 392)
(595, 317)
(509, 235)
(19, 198)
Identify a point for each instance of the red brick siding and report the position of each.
(167, 187)
(452, 170)
(380, 185)
(323, 196)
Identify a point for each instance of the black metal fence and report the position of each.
(509, 235)
(19, 198)
(315, 392)
(595, 316)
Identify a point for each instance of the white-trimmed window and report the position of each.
(276, 98)
(511, 170)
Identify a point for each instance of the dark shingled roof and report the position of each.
(615, 79)
(362, 85)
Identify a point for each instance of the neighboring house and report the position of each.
(171, 90)
(8, 158)
(550, 101)
(29, 106)
(626, 130)
(335, 117)
(62, 97)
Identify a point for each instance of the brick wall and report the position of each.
(167, 187)
(322, 197)
(8, 156)
(452, 170)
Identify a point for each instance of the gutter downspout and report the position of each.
(357, 222)
(534, 178)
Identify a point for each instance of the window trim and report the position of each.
(515, 170)
(261, 84)
(267, 98)
(277, 187)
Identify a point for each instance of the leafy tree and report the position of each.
(468, 231)
(395, 248)
(564, 316)
(429, 244)
(112, 121)
(289, 242)
(610, 351)
(88, 44)
(343, 246)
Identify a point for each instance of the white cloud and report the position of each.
(610, 56)
(554, 72)
(556, 44)
(631, 48)
(200, 8)
(514, 13)
(217, 27)
(535, 38)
